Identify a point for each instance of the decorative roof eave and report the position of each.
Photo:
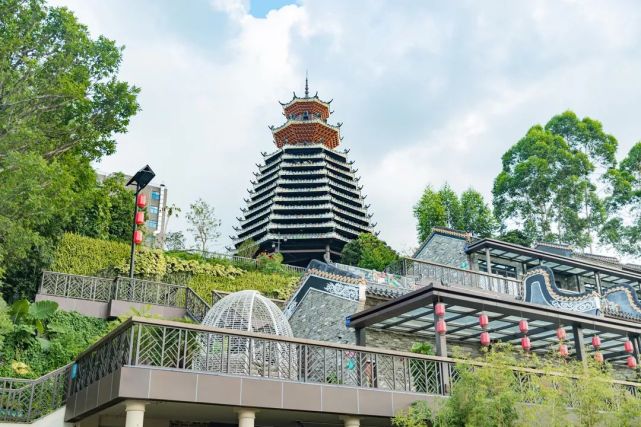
(294, 122)
(314, 98)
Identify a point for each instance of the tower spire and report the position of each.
(306, 85)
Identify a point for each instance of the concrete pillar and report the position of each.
(351, 421)
(597, 278)
(135, 410)
(488, 260)
(579, 342)
(246, 417)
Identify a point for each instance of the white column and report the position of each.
(246, 417)
(135, 413)
(351, 421)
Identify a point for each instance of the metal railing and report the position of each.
(195, 306)
(427, 272)
(77, 286)
(171, 345)
(27, 400)
(149, 292)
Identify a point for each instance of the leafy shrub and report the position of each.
(272, 285)
(68, 333)
(86, 256)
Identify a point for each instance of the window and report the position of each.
(153, 210)
(152, 224)
(155, 195)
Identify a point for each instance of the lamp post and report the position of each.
(277, 245)
(140, 180)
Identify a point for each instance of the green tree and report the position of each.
(247, 249)
(444, 208)
(368, 251)
(105, 212)
(547, 185)
(175, 241)
(203, 223)
(61, 106)
(476, 215)
(623, 229)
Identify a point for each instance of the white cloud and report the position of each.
(428, 91)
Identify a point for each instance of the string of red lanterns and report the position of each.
(141, 202)
(441, 326)
(484, 321)
(563, 348)
(525, 341)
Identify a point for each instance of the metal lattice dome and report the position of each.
(248, 311)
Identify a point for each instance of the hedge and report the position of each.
(88, 256)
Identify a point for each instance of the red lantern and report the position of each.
(525, 343)
(632, 362)
(141, 200)
(484, 320)
(523, 326)
(627, 346)
(596, 341)
(140, 218)
(563, 350)
(439, 309)
(137, 237)
(598, 357)
(560, 334)
(441, 327)
(485, 338)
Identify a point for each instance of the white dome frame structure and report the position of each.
(248, 311)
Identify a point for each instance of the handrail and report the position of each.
(183, 347)
(25, 401)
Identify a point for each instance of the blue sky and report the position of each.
(428, 92)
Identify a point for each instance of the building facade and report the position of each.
(305, 201)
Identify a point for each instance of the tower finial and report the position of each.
(306, 85)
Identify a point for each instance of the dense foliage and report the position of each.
(37, 338)
(492, 393)
(60, 109)
(91, 257)
(368, 251)
(444, 208)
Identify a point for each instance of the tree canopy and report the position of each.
(203, 223)
(61, 106)
(368, 251)
(444, 208)
(548, 185)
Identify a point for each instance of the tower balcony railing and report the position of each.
(288, 156)
(256, 210)
(260, 186)
(260, 193)
(261, 199)
(301, 198)
(300, 236)
(358, 200)
(251, 228)
(340, 170)
(251, 235)
(337, 165)
(262, 178)
(347, 229)
(318, 172)
(367, 228)
(308, 164)
(334, 175)
(302, 207)
(281, 190)
(265, 167)
(344, 187)
(303, 181)
(325, 215)
(351, 214)
(346, 192)
(281, 225)
(272, 154)
(245, 221)
(348, 206)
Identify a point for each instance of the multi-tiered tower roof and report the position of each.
(305, 200)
